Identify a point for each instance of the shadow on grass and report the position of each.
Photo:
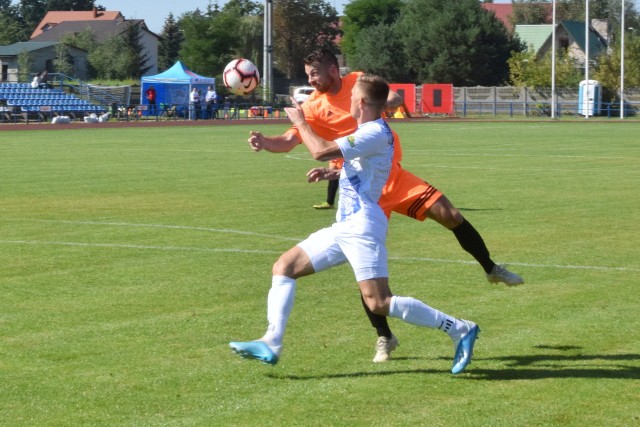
(553, 365)
(528, 367)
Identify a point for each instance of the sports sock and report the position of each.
(332, 189)
(279, 305)
(377, 321)
(418, 313)
(472, 242)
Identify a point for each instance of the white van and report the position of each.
(300, 94)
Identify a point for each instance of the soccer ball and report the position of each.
(241, 76)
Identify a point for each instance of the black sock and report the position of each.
(332, 189)
(472, 242)
(378, 322)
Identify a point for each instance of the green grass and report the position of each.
(129, 258)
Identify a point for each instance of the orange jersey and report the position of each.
(329, 116)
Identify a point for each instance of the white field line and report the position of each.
(249, 251)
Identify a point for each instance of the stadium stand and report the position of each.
(22, 102)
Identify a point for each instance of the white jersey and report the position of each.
(359, 234)
(368, 155)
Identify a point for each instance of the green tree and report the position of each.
(11, 31)
(369, 57)
(301, 26)
(170, 41)
(63, 62)
(527, 70)
(111, 59)
(530, 12)
(362, 14)
(85, 40)
(137, 58)
(455, 42)
(608, 71)
(214, 37)
(25, 62)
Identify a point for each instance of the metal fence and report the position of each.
(513, 101)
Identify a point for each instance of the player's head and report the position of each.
(370, 91)
(322, 69)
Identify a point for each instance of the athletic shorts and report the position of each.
(341, 243)
(408, 195)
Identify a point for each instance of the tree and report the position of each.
(527, 70)
(362, 14)
(85, 40)
(608, 71)
(456, 42)
(301, 26)
(63, 62)
(110, 59)
(138, 59)
(369, 57)
(530, 12)
(25, 62)
(170, 41)
(11, 30)
(213, 38)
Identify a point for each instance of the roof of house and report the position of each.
(101, 29)
(577, 30)
(53, 18)
(533, 36)
(17, 48)
(503, 12)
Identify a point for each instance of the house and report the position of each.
(41, 55)
(53, 18)
(570, 37)
(104, 24)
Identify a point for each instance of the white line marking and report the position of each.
(255, 251)
(129, 246)
(173, 227)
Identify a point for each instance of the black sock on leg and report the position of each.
(472, 242)
(378, 322)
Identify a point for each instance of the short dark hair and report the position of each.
(321, 56)
(375, 90)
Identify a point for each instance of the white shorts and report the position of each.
(360, 245)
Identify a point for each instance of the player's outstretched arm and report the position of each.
(274, 144)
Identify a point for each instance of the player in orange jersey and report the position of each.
(327, 112)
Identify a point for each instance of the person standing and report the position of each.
(358, 236)
(211, 98)
(151, 96)
(194, 104)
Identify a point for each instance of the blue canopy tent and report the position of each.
(174, 85)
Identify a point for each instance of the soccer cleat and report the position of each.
(323, 205)
(464, 348)
(384, 347)
(500, 274)
(255, 350)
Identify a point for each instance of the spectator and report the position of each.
(194, 104)
(211, 98)
(151, 99)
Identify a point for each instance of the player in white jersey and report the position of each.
(357, 237)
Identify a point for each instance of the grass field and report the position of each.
(129, 258)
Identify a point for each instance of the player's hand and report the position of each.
(256, 141)
(295, 113)
(317, 174)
